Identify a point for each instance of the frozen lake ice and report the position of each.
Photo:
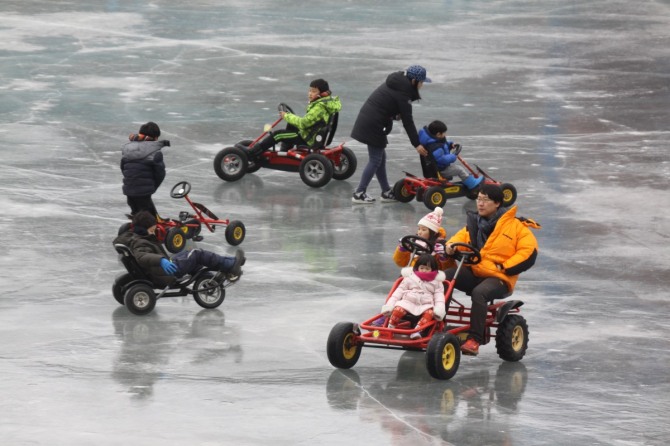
(566, 100)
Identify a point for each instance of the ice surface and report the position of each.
(568, 101)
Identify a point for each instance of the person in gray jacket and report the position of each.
(143, 168)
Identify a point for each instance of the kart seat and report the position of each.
(130, 262)
(325, 134)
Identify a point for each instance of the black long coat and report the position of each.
(392, 98)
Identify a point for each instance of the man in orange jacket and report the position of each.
(507, 249)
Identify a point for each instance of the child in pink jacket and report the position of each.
(421, 293)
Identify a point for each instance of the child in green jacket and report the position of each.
(303, 130)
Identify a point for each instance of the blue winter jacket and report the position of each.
(440, 148)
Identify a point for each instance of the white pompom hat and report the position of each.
(433, 220)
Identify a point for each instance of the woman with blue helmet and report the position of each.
(391, 100)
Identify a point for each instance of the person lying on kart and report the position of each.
(429, 228)
(420, 293)
(507, 247)
(164, 271)
(302, 131)
(434, 139)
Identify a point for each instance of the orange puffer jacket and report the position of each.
(511, 244)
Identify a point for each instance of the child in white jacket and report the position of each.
(421, 293)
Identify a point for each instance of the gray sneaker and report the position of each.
(362, 198)
(388, 197)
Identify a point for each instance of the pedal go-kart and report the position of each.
(441, 340)
(435, 190)
(174, 232)
(317, 165)
(137, 292)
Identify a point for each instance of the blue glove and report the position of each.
(169, 267)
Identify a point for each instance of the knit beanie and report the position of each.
(433, 220)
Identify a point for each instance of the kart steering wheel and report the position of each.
(471, 256)
(181, 189)
(411, 243)
(456, 149)
(284, 108)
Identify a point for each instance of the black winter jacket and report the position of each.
(392, 98)
(143, 167)
(148, 252)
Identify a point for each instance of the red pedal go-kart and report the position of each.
(317, 164)
(441, 340)
(174, 232)
(436, 190)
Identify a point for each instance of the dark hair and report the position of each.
(144, 219)
(436, 127)
(150, 129)
(426, 259)
(320, 85)
(493, 191)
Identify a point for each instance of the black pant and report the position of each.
(289, 137)
(143, 203)
(482, 290)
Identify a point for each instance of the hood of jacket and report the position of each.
(399, 82)
(138, 150)
(426, 138)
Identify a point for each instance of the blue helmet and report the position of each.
(418, 73)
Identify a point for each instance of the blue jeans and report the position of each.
(376, 166)
(189, 261)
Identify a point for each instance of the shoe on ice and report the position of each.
(471, 347)
(362, 198)
(388, 197)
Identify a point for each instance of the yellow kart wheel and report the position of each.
(509, 194)
(443, 356)
(175, 240)
(235, 233)
(512, 338)
(342, 347)
(434, 197)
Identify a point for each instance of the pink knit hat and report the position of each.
(432, 221)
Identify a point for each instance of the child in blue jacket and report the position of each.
(434, 138)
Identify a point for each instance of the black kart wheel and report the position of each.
(252, 166)
(509, 194)
(231, 163)
(443, 356)
(512, 338)
(140, 299)
(401, 193)
(117, 288)
(235, 232)
(207, 292)
(316, 170)
(175, 240)
(342, 348)
(434, 197)
(347, 165)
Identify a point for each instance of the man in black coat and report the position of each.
(391, 100)
(143, 168)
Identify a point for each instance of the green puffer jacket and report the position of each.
(317, 115)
